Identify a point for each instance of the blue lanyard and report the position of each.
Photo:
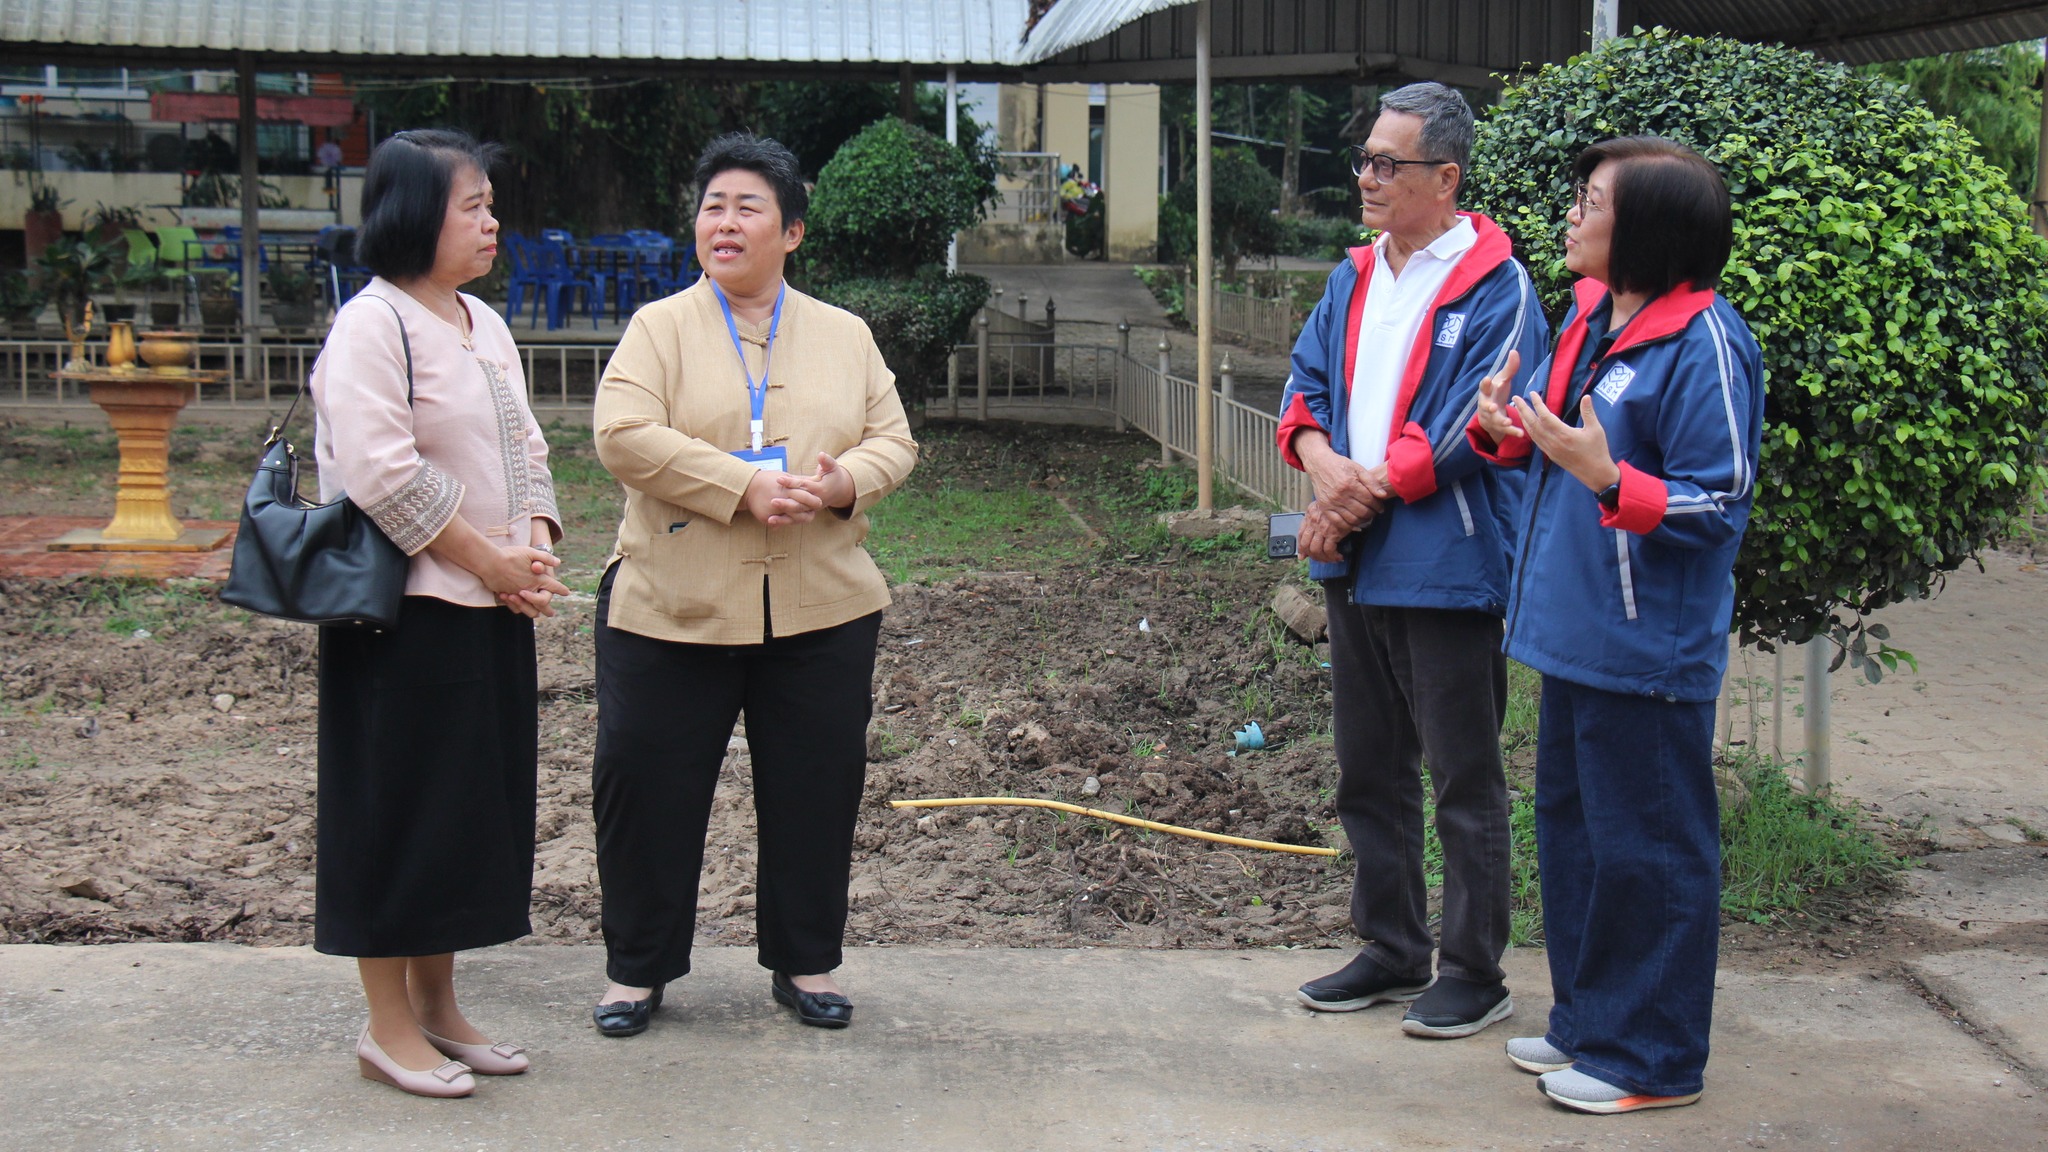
(757, 391)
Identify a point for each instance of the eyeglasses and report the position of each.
(1582, 199)
(1383, 166)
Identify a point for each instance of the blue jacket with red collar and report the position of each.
(1445, 544)
(1639, 600)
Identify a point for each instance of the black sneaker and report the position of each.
(1360, 984)
(1454, 1008)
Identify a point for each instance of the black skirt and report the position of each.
(427, 774)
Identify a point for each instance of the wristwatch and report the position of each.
(1610, 497)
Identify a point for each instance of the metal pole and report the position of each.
(2039, 208)
(953, 138)
(1165, 406)
(981, 365)
(1205, 264)
(252, 200)
(1223, 442)
(1048, 359)
(1123, 359)
(1819, 746)
(1778, 703)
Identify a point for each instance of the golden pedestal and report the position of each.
(142, 406)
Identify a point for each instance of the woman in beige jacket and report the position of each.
(752, 427)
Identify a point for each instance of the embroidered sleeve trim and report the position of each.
(419, 510)
(540, 498)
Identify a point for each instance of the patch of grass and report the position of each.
(928, 531)
(1783, 851)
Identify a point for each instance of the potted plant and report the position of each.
(21, 299)
(136, 276)
(71, 269)
(291, 297)
(166, 296)
(218, 307)
(110, 225)
(43, 223)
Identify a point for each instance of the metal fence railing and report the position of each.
(1267, 324)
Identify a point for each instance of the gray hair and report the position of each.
(1446, 121)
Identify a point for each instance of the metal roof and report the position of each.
(1474, 41)
(919, 32)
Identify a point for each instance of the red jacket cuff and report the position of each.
(1411, 464)
(1296, 418)
(1514, 451)
(1643, 499)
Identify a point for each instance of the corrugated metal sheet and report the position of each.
(930, 32)
(1464, 42)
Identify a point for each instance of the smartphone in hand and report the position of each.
(1283, 534)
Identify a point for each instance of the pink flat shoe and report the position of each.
(449, 1080)
(483, 1059)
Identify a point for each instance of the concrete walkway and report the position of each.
(222, 1047)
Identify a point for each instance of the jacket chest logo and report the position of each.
(1448, 331)
(1615, 383)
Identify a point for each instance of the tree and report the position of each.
(1888, 273)
(887, 204)
(1241, 206)
(1993, 93)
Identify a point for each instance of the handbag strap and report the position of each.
(277, 429)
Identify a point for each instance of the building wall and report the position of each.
(1066, 123)
(1130, 180)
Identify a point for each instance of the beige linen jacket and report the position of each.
(672, 408)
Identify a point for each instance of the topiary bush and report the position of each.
(916, 322)
(890, 199)
(885, 207)
(1241, 221)
(1889, 274)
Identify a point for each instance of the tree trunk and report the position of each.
(1290, 161)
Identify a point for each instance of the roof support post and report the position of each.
(1205, 270)
(252, 200)
(906, 94)
(1606, 21)
(953, 138)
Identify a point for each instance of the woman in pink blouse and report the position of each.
(428, 731)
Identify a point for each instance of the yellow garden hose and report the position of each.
(1120, 818)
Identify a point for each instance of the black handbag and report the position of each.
(314, 563)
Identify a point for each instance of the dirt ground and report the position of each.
(157, 764)
(157, 768)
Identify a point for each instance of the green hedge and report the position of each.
(916, 321)
(1889, 274)
(889, 201)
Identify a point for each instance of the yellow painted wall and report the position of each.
(1066, 123)
(1130, 182)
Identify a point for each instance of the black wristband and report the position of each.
(1610, 497)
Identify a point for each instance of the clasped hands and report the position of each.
(779, 499)
(1349, 496)
(1581, 451)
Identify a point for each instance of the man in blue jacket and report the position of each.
(1408, 536)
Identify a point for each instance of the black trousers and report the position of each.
(427, 766)
(665, 711)
(1414, 684)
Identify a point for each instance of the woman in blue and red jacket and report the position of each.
(1641, 450)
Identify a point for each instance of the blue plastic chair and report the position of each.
(334, 263)
(560, 283)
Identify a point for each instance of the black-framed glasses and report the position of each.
(1384, 167)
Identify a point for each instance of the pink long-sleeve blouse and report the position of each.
(466, 446)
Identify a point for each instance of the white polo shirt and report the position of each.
(1394, 309)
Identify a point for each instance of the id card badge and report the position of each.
(774, 459)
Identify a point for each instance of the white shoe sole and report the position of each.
(1498, 1012)
(1390, 996)
(1616, 1107)
(1536, 1066)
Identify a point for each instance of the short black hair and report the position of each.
(767, 159)
(1672, 224)
(405, 197)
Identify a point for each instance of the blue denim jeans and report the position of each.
(1628, 841)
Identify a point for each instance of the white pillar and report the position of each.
(1205, 265)
(1819, 749)
(1606, 21)
(953, 138)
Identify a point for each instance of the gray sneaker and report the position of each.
(1534, 1054)
(1582, 1093)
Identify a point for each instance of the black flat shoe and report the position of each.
(818, 1009)
(623, 1018)
(1360, 984)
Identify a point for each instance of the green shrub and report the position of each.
(889, 201)
(1319, 237)
(1241, 204)
(1889, 275)
(916, 321)
(1780, 849)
